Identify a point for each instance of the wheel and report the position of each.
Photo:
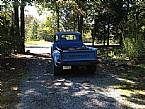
(57, 70)
(91, 68)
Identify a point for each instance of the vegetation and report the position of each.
(104, 21)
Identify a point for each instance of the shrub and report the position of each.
(5, 48)
(134, 48)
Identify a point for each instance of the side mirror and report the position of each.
(54, 38)
(80, 37)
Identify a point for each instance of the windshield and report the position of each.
(68, 37)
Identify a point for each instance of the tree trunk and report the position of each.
(104, 34)
(16, 26)
(22, 46)
(74, 24)
(80, 17)
(121, 40)
(108, 32)
(57, 13)
(121, 36)
(80, 24)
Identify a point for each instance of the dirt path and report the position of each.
(42, 90)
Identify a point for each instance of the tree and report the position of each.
(16, 25)
(6, 42)
(22, 46)
(20, 29)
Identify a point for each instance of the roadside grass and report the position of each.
(131, 76)
(132, 79)
(12, 72)
(132, 83)
(35, 42)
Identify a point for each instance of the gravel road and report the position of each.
(73, 90)
(42, 90)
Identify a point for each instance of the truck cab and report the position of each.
(68, 51)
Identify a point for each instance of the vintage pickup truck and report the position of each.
(68, 51)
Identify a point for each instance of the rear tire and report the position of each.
(91, 68)
(57, 70)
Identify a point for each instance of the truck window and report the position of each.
(68, 37)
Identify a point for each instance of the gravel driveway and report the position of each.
(73, 90)
(42, 90)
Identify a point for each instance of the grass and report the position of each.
(132, 97)
(131, 77)
(132, 84)
(31, 42)
(128, 92)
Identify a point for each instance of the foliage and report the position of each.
(47, 29)
(6, 40)
(28, 26)
(110, 20)
(133, 48)
(36, 30)
(11, 34)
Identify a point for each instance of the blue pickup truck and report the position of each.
(68, 51)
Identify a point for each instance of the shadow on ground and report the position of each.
(12, 71)
(72, 90)
(132, 82)
(39, 89)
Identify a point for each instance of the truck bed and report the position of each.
(73, 48)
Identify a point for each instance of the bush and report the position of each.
(134, 48)
(5, 48)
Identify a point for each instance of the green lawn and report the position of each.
(35, 42)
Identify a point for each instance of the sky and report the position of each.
(32, 10)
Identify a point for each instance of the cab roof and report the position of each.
(64, 33)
